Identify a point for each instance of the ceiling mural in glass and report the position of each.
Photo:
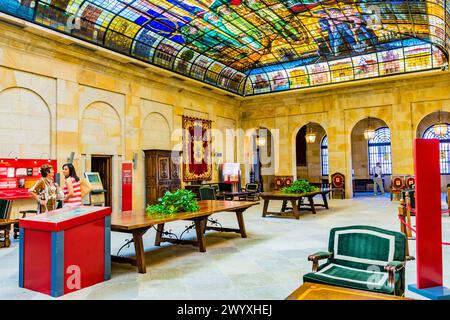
(250, 47)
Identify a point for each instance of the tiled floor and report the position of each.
(269, 264)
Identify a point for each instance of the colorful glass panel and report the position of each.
(256, 46)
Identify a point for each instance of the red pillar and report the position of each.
(428, 213)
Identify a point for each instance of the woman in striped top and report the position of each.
(72, 189)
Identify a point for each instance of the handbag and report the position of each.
(85, 187)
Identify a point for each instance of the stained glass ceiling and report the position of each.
(251, 47)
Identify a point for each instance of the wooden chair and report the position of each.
(254, 189)
(397, 185)
(338, 182)
(410, 182)
(5, 225)
(363, 258)
(207, 193)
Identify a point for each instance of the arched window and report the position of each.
(324, 155)
(444, 147)
(380, 151)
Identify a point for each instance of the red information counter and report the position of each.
(65, 250)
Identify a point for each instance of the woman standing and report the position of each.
(45, 191)
(72, 189)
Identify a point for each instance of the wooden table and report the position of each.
(296, 200)
(137, 224)
(314, 291)
(5, 226)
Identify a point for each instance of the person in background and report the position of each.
(377, 179)
(45, 191)
(72, 188)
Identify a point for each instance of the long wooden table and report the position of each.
(137, 224)
(296, 199)
(315, 291)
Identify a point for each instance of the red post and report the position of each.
(428, 213)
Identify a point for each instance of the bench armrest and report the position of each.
(393, 267)
(316, 257)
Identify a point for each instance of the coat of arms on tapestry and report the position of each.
(197, 163)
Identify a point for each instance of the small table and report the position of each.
(231, 195)
(296, 201)
(314, 291)
(5, 226)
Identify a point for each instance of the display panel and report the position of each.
(19, 175)
(251, 47)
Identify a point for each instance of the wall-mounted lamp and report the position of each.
(369, 133)
(135, 160)
(13, 153)
(71, 157)
(45, 154)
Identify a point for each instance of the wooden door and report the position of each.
(103, 165)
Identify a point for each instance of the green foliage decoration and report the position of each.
(299, 186)
(172, 202)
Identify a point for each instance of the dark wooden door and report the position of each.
(103, 165)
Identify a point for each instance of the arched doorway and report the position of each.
(311, 148)
(371, 144)
(262, 168)
(426, 130)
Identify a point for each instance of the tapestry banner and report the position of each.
(197, 164)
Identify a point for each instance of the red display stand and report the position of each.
(127, 186)
(428, 221)
(65, 250)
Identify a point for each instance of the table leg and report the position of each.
(200, 236)
(295, 209)
(300, 202)
(240, 219)
(284, 206)
(266, 206)
(159, 231)
(311, 203)
(325, 201)
(139, 248)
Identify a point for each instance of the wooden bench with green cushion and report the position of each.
(362, 257)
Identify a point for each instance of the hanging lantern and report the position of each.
(441, 128)
(261, 142)
(310, 136)
(369, 133)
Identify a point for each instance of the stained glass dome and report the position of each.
(251, 47)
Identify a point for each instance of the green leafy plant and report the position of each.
(172, 202)
(299, 186)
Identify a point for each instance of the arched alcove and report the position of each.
(100, 130)
(25, 124)
(155, 132)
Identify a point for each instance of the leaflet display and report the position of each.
(19, 175)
